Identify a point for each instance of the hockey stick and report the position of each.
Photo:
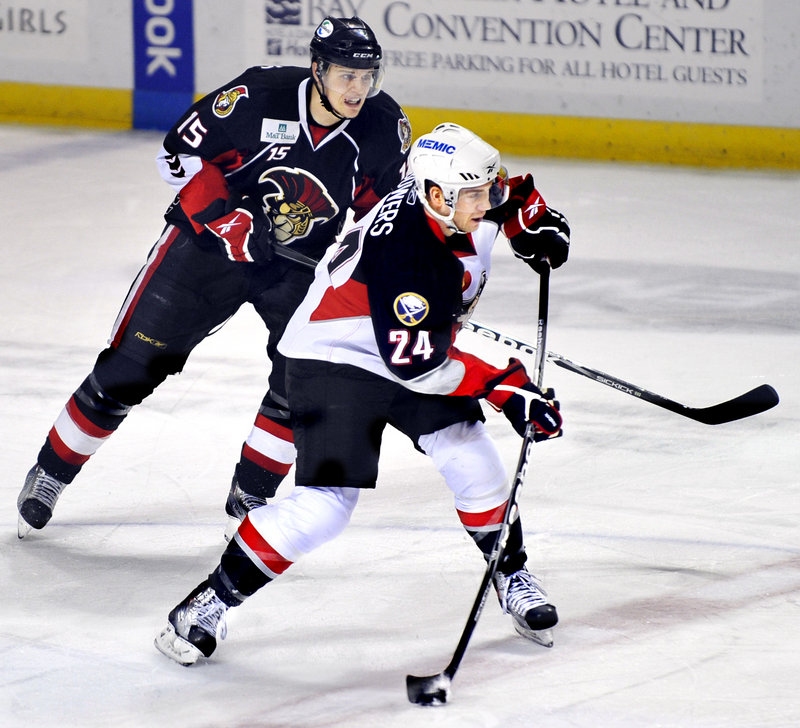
(750, 403)
(435, 689)
(757, 400)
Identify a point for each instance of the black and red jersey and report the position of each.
(254, 137)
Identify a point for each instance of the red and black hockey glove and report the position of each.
(521, 401)
(533, 229)
(244, 233)
(239, 224)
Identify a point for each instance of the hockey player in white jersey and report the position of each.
(373, 344)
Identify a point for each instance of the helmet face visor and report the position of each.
(341, 79)
(498, 192)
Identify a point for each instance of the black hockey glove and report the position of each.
(547, 237)
(533, 229)
(244, 232)
(521, 401)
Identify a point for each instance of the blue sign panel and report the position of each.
(163, 48)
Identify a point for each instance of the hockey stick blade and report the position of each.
(757, 400)
(428, 691)
(750, 403)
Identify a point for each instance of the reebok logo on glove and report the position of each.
(234, 231)
(531, 210)
(222, 229)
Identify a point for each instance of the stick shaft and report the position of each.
(541, 326)
(750, 403)
(494, 560)
(519, 479)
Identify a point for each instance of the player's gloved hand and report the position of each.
(521, 401)
(549, 397)
(244, 232)
(545, 237)
(533, 229)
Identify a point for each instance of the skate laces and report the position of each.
(207, 611)
(520, 592)
(43, 488)
(242, 503)
(248, 501)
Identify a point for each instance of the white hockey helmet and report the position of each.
(454, 158)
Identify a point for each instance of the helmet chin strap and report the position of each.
(323, 97)
(447, 220)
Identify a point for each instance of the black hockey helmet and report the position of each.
(347, 42)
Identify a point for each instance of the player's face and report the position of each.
(472, 204)
(347, 88)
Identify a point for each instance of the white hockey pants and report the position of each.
(308, 517)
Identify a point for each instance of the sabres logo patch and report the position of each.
(410, 308)
(226, 100)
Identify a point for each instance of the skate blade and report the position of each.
(170, 644)
(543, 637)
(23, 527)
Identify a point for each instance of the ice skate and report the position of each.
(522, 596)
(36, 500)
(194, 627)
(238, 505)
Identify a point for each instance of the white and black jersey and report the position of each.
(389, 297)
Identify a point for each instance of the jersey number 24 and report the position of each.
(405, 348)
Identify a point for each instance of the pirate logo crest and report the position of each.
(298, 202)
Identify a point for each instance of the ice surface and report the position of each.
(671, 548)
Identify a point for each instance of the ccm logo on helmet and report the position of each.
(436, 146)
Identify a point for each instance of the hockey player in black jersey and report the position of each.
(265, 169)
(373, 344)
